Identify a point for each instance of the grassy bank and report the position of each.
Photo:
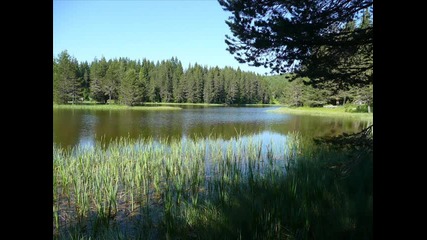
(209, 189)
(113, 107)
(327, 112)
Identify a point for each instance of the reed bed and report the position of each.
(207, 188)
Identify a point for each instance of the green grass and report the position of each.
(327, 112)
(113, 107)
(209, 189)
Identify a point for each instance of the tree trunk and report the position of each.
(74, 96)
(369, 109)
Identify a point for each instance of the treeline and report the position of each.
(133, 82)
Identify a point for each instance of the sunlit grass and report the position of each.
(327, 112)
(208, 188)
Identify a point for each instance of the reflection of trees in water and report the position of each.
(71, 127)
(307, 126)
(66, 127)
(223, 130)
(134, 124)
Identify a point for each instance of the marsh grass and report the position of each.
(207, 188)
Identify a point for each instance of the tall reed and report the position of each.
(208, 188)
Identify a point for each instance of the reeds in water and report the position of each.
(207, 188)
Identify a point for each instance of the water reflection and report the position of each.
(84, 127)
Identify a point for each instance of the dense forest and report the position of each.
(134, 82)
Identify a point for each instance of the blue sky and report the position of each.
(192, 30)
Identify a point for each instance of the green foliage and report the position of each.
(112, 79)
(98, 70)
(296, 93)
(66, 80)
(166, 81)
(364, 108)
(144, 78)
(315, 39)
(131, 89)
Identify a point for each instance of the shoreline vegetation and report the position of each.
(148, 106)
(131, 82)
(312, 111)
(210, 189)
(113, 107)
(214, 104)
(324, 112)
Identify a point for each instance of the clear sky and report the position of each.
(191, 30)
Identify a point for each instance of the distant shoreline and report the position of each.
(326, 112)
(150, 105)
(113, 107)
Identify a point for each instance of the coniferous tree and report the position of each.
(130, 89)
(143, 81)
(231, 85)
(154, 89)
(197, 84)
(208, 87)
(98, 70)
(145, 78)
(112, 79)
(303, 36)
(66, 85)
(181, 92)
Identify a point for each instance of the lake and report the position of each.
(84, 127)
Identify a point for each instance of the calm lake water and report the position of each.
(84, 127)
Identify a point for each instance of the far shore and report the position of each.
(213, 104)
(322, 111)
(113, 107)
(148, 105)
(151, 106)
